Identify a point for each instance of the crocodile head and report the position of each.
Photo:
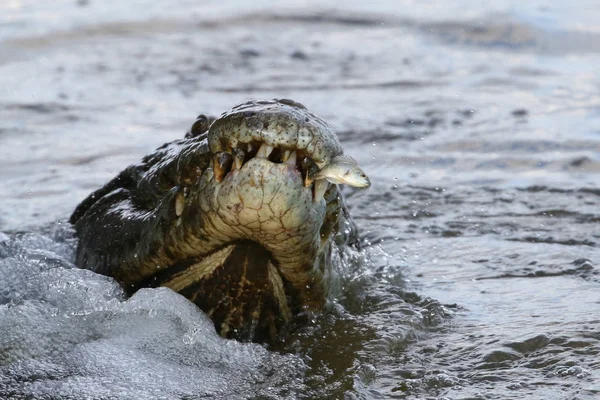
(230, 217)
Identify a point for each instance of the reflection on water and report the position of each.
(478, 125)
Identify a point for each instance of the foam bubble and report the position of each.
(68, 332)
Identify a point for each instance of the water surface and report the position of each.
(478, 126)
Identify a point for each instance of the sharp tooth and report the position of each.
(221, 165)
(320, 188)
(179, 203)
(308, 181)
(217, 171)
(238, 163)
(264, 151)
(238, 158)
(289, 157)
(309, 169)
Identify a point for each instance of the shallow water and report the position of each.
(477, 125)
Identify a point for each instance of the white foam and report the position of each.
(70, 332)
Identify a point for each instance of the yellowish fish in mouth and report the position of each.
(344, 170)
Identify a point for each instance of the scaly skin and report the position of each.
(250, 245)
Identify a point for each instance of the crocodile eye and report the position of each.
(200, 126)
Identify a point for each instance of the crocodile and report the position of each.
(232, 216)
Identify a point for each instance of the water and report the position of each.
(478, 125)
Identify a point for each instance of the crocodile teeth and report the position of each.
(264, 151)
(221, 165)
(237, 163)
(320, 188)
(289, 157)
(238, 158)
(179, 203)
(309, 169)
(308, 181)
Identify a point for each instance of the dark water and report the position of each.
(478, 125)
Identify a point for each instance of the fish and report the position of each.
(344, 170)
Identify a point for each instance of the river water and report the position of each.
(478, 125)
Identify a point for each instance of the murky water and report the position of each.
(478, 125)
